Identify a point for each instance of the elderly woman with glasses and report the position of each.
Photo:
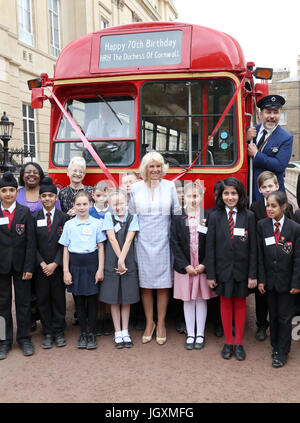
(30, 177)
(154, 200)
(76, 174)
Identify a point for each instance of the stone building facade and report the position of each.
(32, 34)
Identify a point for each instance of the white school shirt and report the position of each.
(11, 208)
(260, 133)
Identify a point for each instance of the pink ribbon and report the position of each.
(86, 143)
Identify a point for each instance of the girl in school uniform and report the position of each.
(120, 286)
(279, 269)
(231, 260)
(83, 263)
(188, 246)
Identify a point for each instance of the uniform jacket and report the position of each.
(274, 157)
(48, 248)
(180, 243)
(18, 247)
(279, 266)
(226, 258)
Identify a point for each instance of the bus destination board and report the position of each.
(140, 49)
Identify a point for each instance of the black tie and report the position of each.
(262, 138)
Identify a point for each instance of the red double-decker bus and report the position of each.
(183, 90)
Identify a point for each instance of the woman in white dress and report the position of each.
(154, 200)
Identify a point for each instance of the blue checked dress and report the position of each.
(153, 239)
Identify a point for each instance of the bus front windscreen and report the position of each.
(107, 122)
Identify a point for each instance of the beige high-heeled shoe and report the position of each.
(161, 341)
(146, 339)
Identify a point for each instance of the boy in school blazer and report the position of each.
(278, 274)
(17, 244)
(266, 182)
(50, 287)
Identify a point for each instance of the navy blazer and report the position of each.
(180, 243)
(17, 244)
(226, 258)
(275, 157)
(279, 266)
(48, 248)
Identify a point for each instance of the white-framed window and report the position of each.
(103, 22)
(283, 117)
(25, 21)
(29, 129)
(283, 94)
(54, 26)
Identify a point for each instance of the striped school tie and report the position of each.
(231, 223)
(49, 224)
(277, 232)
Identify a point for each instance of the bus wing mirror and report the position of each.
(263, 73)
(37, 98)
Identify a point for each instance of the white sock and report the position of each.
(189, 315)
(201, 313)
(125, 333)
(118, 337)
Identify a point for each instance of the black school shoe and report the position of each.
(239, 352)
(127, 342)
(91, 341)
(47, 342)
(60, 340)
(227, 351)
(261, 333)
(279, 360)
(82, 341)
(199, 342)
(189, 345)
(4, 349)
(27, 347)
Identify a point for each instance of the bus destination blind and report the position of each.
(140, 49)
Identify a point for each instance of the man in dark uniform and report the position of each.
(272, 145)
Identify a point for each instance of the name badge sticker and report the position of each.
(202, 229)
(86, 231)
(4, 220)
(42, 222)
(239, 231)
(117, 227)
(270, 240)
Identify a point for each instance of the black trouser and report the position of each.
(51, 298)
(261, 309)
(281, 312)
(213, 311)
(22, 302)
(87, 307)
